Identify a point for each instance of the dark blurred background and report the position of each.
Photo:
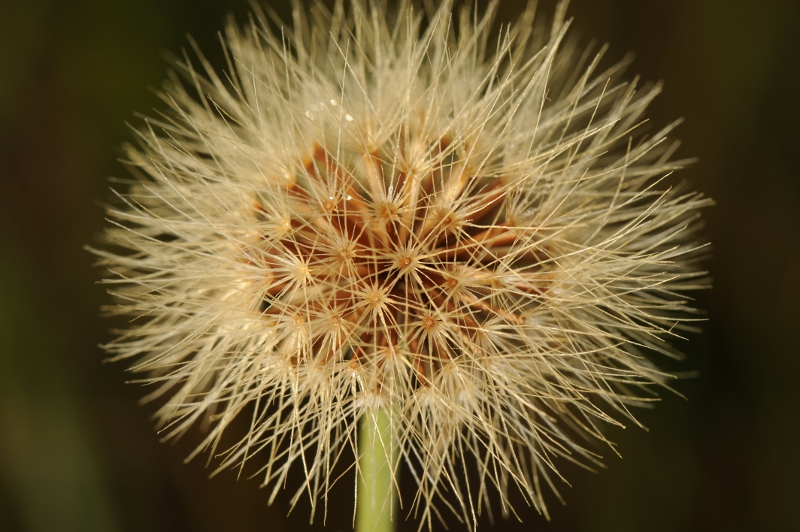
(78, 453)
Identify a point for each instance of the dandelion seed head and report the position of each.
(375, 209)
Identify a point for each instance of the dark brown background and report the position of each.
(78, 453)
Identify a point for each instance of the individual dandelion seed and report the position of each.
(391, 215)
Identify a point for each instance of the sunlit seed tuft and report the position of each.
(376, 209)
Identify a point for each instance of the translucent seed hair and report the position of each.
(403, 209)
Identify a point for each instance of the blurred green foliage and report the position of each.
(78, 453)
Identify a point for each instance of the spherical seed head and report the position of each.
(377, 209)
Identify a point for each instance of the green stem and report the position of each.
(376, 507)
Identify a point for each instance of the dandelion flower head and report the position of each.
(403, 209)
